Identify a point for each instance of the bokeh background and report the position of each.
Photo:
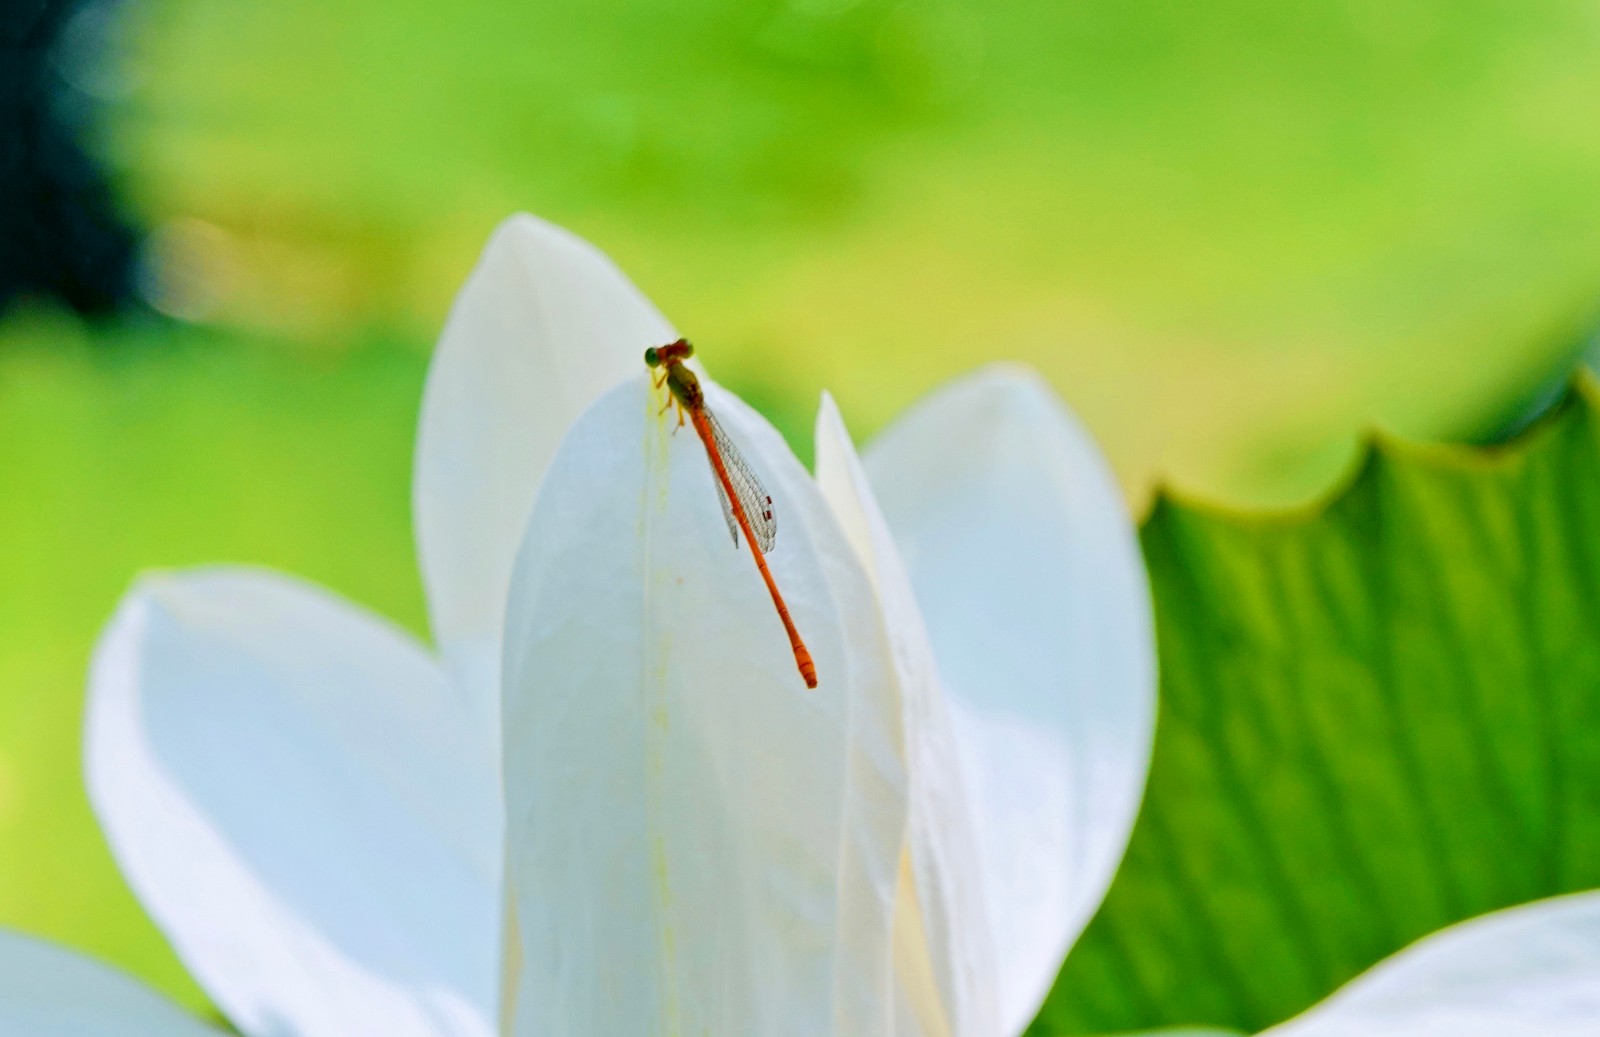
(1233, 234)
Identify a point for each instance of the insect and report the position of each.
(746, 505)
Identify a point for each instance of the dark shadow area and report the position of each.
(63, 236)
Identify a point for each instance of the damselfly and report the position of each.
(746, 505)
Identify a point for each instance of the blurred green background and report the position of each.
(1232, 234)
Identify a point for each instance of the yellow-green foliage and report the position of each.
(1378, 716)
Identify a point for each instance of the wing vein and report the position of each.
(753, 497)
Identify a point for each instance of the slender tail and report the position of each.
(802, 656)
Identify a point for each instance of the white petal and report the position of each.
(1028, 572)
(696, 843)
(944, 951)
(1530, 971)
(544, 325)
(48, 991)
(303, 804)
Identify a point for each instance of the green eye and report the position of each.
(651, 357)
(688, 349)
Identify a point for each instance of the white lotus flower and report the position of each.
(309, 802)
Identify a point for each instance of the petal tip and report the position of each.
(1015, 381)
(830, 422)
(522, 233)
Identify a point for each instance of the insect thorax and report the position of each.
(685, 386)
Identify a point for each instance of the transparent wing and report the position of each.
(727, 509)
(753, 497)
